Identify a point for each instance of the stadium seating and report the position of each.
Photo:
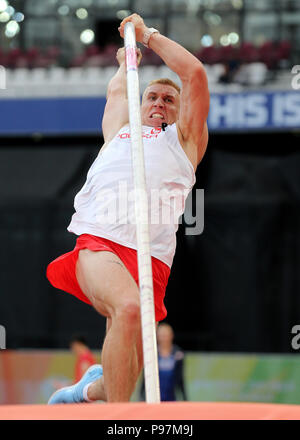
(273, 54)
(41, 73)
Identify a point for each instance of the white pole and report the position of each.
(142, 220)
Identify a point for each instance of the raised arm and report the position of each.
(194, 97)
(116, 109)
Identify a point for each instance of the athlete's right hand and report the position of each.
(121, 55)
(139, 26)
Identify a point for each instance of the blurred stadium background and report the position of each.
(233, 296)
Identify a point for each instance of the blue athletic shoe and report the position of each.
(74, 393)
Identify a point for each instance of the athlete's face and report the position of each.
(160, 104)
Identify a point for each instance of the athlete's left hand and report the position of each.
(121, 55)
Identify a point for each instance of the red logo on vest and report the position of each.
(152, 134)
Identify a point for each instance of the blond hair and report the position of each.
(165, 81)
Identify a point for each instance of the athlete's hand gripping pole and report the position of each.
(142, 222)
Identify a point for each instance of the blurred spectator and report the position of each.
(170, 365)
(84, 357)
(231, 67)
(253, 74)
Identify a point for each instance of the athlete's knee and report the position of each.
(128, 312)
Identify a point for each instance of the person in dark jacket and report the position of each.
(170, 365)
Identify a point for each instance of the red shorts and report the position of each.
(62, 271)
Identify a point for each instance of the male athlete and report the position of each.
(102, 268)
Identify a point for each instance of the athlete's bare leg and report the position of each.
(96, 390)
(113, 292)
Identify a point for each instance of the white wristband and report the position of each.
(147, 35)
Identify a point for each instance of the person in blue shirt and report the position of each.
(170, 365)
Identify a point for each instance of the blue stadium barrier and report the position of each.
(246, 111)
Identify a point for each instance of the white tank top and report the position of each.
(105, 204)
